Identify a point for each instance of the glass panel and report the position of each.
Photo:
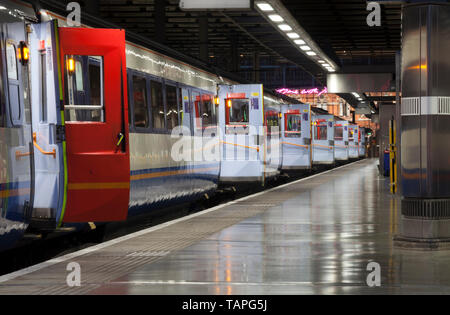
(79, 76)
(339, 133)
(157, 105)
(293, 126)
(172, 107)
(196, 101)
(351, 133)
(208, 110)
(43, 67)
(11, 60)
(272, 122)
(84, 84)
(238, 111)
(2, 98)
(140, 107)
(185, 108)
(320, 132)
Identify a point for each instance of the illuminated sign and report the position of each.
(215, 5)
(314, 91)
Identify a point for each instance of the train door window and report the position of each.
(272, 122)
(237, 116)
(351, 133)
(140, 104)
(321, 132)
(13, 82)
(339, 133)
(84, 87)
(43, 67)
(293, 126)
(11, 60)
(208, 110)
(172, 106)
(2, 96)
(158, 112)
(185, 108)
(238, 110)
(197, 102)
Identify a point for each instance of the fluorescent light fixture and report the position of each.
(293, 35)
(276, 18)
(299, 41)
(311, 53)
(356, 95)
(2, 7)
(285, 27)
(263, 6)
(326, 65)
(321, 61)
(331, 70)
(305, 48)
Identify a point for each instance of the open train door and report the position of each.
(93, 69)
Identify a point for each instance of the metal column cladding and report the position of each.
(425, 112)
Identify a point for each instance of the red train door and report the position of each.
(93, 70)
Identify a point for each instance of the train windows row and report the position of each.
(154, 105)
(157, 106)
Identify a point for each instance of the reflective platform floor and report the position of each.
(313, 236)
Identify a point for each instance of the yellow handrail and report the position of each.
(323, 146)
(41, 150)
(20, 155)
(294, 144)
(240, 145)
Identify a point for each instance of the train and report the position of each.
(98, 129)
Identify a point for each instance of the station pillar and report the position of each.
(425, 126)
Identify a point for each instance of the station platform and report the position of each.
(311, 236)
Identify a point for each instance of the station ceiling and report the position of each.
(338, 27)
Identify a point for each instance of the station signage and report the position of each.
(199, 5)
(313, 91)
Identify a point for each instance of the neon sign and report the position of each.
(314, 91)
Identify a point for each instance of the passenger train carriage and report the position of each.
(15, 131)
(98, 129)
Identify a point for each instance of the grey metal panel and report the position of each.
(425, 89)
(359, 82)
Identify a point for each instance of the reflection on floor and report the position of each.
(315, 236)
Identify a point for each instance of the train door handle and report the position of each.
(120, 137)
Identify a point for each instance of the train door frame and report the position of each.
(297, 151)
(319, 145)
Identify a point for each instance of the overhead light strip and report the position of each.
(275, 11)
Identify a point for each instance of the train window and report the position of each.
(172, 107)
(43, 87)
(350, 134)
(208, 110)
(339, 133)
(79, 76)
(293, 128)
(157, 105)
(321, 132)
(238, 111)
(196, 100)
(2, 97)
(84, 87)
(11, 61)
(140, 102)
(272, 122)
(185, 108)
